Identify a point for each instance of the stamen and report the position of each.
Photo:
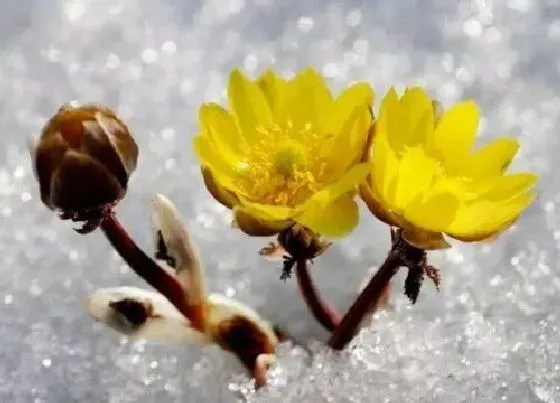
(285, 166)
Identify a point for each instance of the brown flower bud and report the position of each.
(83, 160)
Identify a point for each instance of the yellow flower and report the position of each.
(286, 151)
(426, 179)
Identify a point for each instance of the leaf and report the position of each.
(223, 312)
(173, 244)
(142, 314)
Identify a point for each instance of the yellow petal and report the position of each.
(483, 218)
(347, 183)
(348, 145)
(334, 219)
(492, 159)
(307, 97)
(503, 188)
(416, 117)
(422, 130)
(267, 211)
(484, 236)
(415, 101)
(438, 111)
(415, 177)
(217, 123)
(209, 155)
(274, 88)
(390, 123)
(221, 194)
(255, 226)
(343, 107)
(248, 104)
(377, 207)
(434, 214)
(471, 219)
(424, 239)
(406, 122)
(385, 167)
(367, 152)
(454, 136)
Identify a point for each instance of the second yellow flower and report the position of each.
(286, 151)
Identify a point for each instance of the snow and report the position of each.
(491, 335)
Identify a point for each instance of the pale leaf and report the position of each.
(149, 315)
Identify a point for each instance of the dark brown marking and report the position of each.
(134, 311)
(246, 340)
(162, 253)
(148, 269)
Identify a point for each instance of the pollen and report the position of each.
(285, 167)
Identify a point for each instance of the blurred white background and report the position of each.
(491, 334)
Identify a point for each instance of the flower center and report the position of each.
(284, 167)
(289, 159)
(427, 175)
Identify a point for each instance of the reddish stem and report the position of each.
(366, 302)
(325, 314)
(167, 285)
(401, 254)
(144, 266)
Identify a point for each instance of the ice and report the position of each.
(491, 335)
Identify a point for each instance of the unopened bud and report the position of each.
(83, 160)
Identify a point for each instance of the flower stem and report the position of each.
(147, 268)
(325, 314)
(364, 304)
(168, 285)
(401, 254)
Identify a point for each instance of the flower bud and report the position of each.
(83, 160)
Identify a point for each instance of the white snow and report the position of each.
(491, 335)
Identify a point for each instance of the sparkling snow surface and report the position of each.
(491, 335)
